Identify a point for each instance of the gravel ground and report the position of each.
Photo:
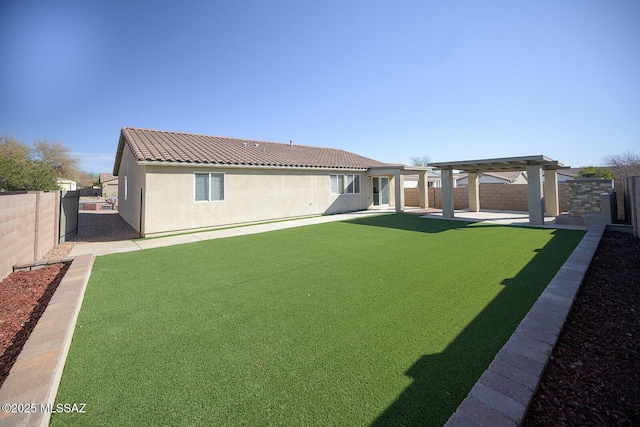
(95, 226)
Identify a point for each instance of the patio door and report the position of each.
(380, 191)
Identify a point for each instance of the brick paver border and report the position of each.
(502, 395)
(34, 379)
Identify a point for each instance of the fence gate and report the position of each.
(69, 201)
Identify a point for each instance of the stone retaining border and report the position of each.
(35, 265)
(34, 379)
(502, 395)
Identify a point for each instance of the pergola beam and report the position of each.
(533, 165)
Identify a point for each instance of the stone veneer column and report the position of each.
(447, 193)
(534, 190)
(474, 192)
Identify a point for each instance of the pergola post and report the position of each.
(447, 193)
(474, 192)
(534, 190)
(399, 190)
(423, 189)
(551, 204)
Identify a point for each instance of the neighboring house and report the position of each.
(170, 182)
(495, 178)
(109, 185)
(66, 184)
(566, 174)
(411, 181)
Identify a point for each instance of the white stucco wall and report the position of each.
(132, 176)
(250, 195)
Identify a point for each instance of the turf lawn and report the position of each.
(385, 320)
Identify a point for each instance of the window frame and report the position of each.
(339, 184)
(355, 181)
(209, 187)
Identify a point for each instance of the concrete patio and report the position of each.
(498, 217)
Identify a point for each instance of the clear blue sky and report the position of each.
(453, 80)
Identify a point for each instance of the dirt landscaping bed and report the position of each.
(593, 376)
(24, 295)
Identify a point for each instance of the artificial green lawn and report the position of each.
(385, 320)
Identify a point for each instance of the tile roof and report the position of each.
(176, 147)
(571, 172)
(104, 177)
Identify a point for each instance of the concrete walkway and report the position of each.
(104, 248)
(119, 246)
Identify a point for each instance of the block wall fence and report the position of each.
(502, 197)
(29, 225)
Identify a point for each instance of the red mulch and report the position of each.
(593, 376)
(24, 295)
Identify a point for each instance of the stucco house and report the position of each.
(108, 185)
(66, 184)
(413, 181)
(171, 182)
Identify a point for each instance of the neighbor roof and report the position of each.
(176, 147)
(104, 177)
(505, 176)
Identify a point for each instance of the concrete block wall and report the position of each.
(28, 227)
(504, 197)
(460, 198)
(583, 195)
(507, 197)
(46, 230)
(411, 197)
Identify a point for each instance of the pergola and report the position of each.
(541, 198)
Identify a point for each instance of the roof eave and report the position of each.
(247, 166)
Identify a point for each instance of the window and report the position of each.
(338, 184)
(126, 187)
(209, 186)
(353, 184)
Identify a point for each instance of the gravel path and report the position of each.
(95, 226)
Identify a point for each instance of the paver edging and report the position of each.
(514, 361)
(34, 379)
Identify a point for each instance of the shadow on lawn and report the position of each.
(410, 222)
(441, 381)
